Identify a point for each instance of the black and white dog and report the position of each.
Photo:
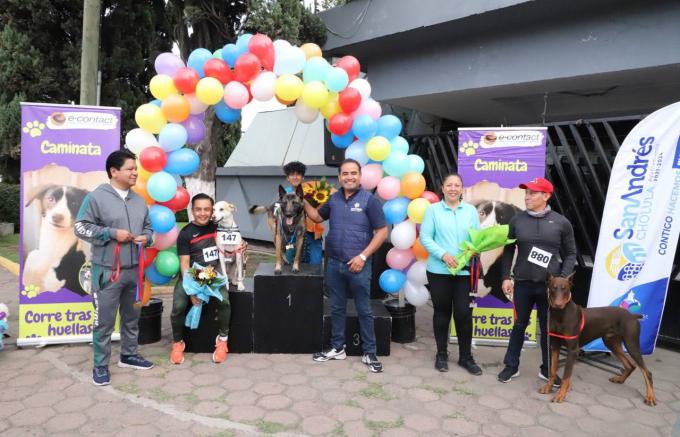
(56, 262)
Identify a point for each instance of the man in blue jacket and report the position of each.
(114, 220)
(357, 230)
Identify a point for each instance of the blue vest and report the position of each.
(350, 230)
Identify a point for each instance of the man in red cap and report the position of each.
(545, 244)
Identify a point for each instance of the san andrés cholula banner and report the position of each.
(640, 224)
(493, 162)
(63, 155)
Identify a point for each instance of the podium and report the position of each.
(202, 339)
(382, 322)
(288, 312)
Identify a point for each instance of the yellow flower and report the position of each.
(321, 197)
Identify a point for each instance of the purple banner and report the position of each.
(63, 155)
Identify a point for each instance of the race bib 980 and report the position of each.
(539, 257)
(210, 254)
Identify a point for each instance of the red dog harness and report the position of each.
(570, 337)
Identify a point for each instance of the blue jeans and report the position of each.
(341, 283)
(312, 250)
(528, 293)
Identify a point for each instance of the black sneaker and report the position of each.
(508, 373)
(372, 362)
(543, 374)
(330, 354)
(470, 365)
(134, 362)
(441, 361)
(101, 375)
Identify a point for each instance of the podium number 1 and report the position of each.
(290, 300)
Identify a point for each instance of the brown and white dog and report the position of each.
(230, 244)
(57, 260)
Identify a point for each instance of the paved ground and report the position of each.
(48, 392)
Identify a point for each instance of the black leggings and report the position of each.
(451, 295)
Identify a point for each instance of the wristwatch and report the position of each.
(363, 257)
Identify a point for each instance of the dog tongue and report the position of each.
(289, 221)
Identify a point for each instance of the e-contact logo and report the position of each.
(82, 120)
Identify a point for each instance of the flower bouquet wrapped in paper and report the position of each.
(317, 192)
(480, 241)
(204, 283)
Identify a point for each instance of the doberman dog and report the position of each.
(574, 326)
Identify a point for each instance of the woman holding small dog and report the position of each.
(445, 226)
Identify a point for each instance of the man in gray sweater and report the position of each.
(545, 243)
(114, 220)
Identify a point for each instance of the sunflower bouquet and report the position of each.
(204, 275)
(317, 192)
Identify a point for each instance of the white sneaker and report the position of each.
(330, 354)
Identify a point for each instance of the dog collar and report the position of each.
(570, 337)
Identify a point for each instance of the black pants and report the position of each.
(528, 293)
(451, 295)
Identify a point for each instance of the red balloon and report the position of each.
(179, 202)
(430, 196)
(185, 80)
(351, 65)
(349, 100)
(262, 47)
(218, 69)
(340, 123)
(149, 255)
(247, 67)
(153, 158)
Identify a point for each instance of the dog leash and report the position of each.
(115, 269)
(571, 337)
(475, 273)
(139, 296)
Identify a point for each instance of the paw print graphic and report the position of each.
(30, 291)
(34, 128)
(469, 148)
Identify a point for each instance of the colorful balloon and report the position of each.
(262, 87)
(195, 128)
(172, 137)
(419, 250)
(349, 100)
(218, 69)
(400, 143)
(396, 164)
(154, 277)
(195, 106)
(236, 95)
(163, 241)
(197, 60)
(149, 256)
(403, 235)
(150, 118)
(175, 108)
(182, 162)
(209, 90)
(340, 124)
(153, 158)
(307, 115)
(343, 141)
(168, 63)
(389, 126)
(331, 107)
(161, 187)
(378, 148)
(162, 218)
(395, 210)
(417, 208)
(388, 187)
(226, 114)
(167, 263)
(362, 86)
(351, 65)
(391, 280)
(179, 201)
(412, 185)
(315, 70)
(357, 152)
(262, 47)
(137, 139)
(311, 50)
(364, 128)
(230, 54)
(140, 188)
(430, 196)
(415, 164)
(186, 79)
(371, 174)
(399, 259)
(162, 86)
(336, 79)
(416, 295)
(247, 67)
(288, 87)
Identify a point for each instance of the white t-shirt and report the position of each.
(122, 193)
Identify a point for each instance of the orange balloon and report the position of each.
(140, 188)
(284, 102)
(311, 50)
(419, 250)
(146, 295)
(175, 108)
(412, 185)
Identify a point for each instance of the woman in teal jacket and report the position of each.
(445, 226)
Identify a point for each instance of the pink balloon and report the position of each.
(371, 175)
(368, 107)
(163, 241)
(389, 187)
(399, 258)
(236, 95)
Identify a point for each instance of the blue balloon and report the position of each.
(315, 70)
(162, 186)
(399, 143)
(396, 164)
(230, 54)
(156, 102)
(182, 162)
(391, 281)
(415, 164)
(364, 127)
(242, 43)
(389, 126)
(154, 277)
(357, 152)
(226, 114)
(197, 59)
(173, 136)
(342, 141)
(336, 79)
(396, 210)
(162, 218)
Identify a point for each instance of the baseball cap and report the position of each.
(538, 184)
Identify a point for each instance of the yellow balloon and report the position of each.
(331, 107)
(150, 118)
(315, 94)
(209, 90)
(162, 86)
(288, 87)
(311, 50)
(142, 173)
(416, 209)
(378, 148)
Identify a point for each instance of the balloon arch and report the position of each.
(257, 68)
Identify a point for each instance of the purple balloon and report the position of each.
(195, 127)
(168, 63)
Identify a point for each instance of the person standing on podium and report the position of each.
(357, 229)
(312, 249)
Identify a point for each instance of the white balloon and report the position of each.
(362, 86)
(262, 87)
(138, 138)
(195, 105)
(415, 294)
(403, 235)
(280, 46)
(417, 273)
(304, 113)
(291, 61)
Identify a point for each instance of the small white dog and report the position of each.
(230, 244)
